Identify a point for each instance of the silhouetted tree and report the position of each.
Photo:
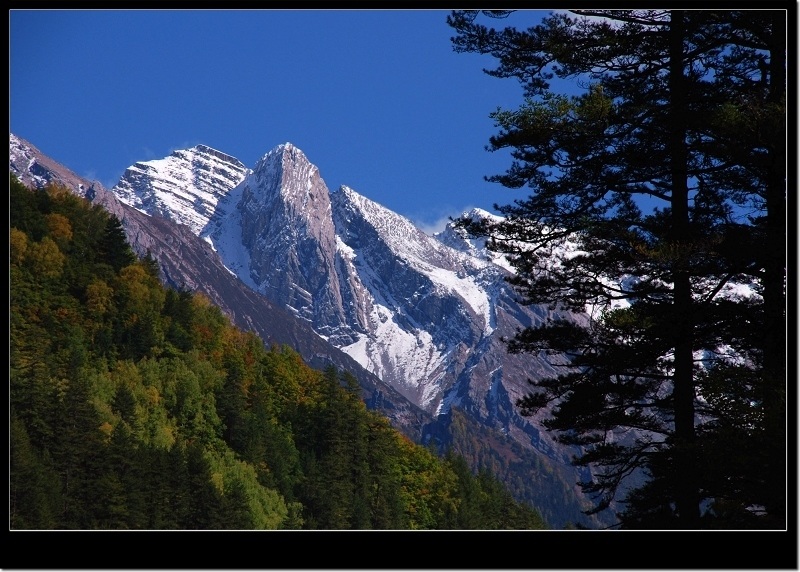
(635, 217)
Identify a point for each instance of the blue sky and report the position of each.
(377, 99)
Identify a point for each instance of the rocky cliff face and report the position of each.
(426, 307)
(417, 313)
(275, 231)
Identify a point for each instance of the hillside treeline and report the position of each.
(133, 406)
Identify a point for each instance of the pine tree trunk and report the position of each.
(686, 497)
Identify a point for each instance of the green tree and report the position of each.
(114, 246)
(330, 489)
(205, 505)
(78, 453)
(631, 173)
(45, 258)
(34, 487)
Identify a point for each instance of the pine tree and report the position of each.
(114, 246)
(34, 488)
(633, 174)
(751, 129)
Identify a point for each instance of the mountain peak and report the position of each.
(224, 157)
(284, 150)
(284, 163)
(184, 186)
(477, 213)
(398, 231)
(287, 146)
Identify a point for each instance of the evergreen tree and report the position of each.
(34, 487)
(28, 214)
(205, 506)
(334, 491)
(633, 174)
(750, 138)
(79, 453)
(114, 246)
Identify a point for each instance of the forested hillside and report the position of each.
(134, 406)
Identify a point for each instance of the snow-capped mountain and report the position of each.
(185, 186)
(274, 230)
(428, 306)
(186, 261)
(425, 315)
(414, 311)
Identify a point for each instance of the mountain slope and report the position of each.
(426, 318)
(186, 261)
(344, 280)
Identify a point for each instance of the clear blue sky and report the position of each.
(377, 99)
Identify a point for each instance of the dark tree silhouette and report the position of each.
(647, 209)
